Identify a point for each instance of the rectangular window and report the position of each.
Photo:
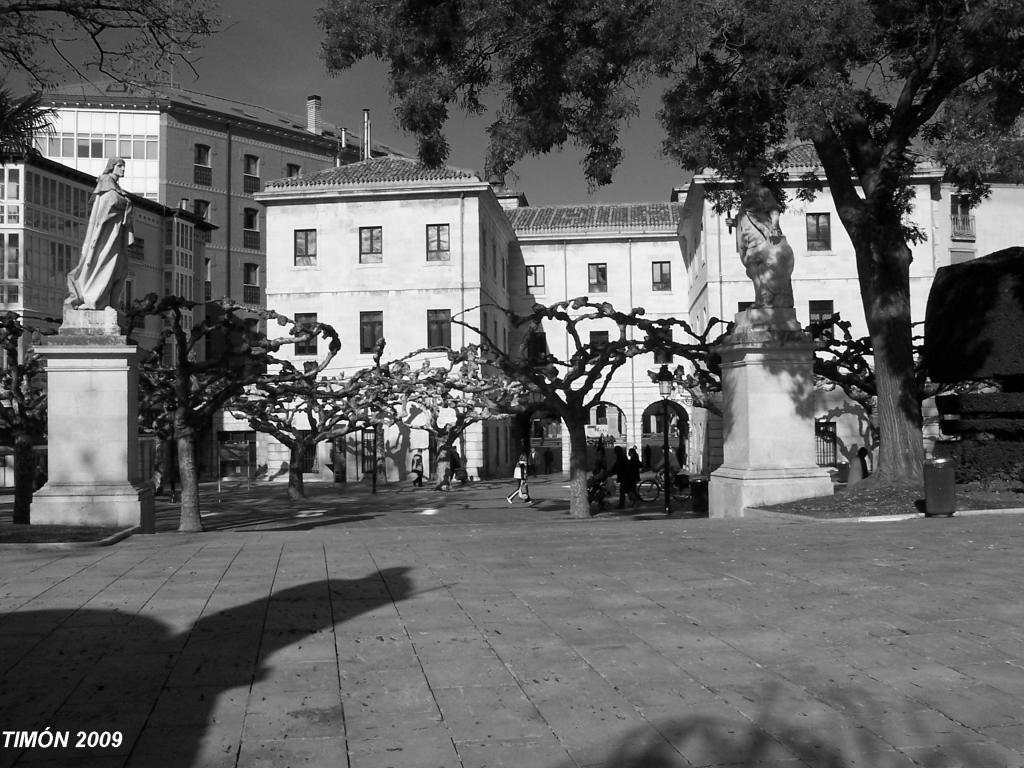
(662, 356)
(661, 276)
(251, 228)
(598, 340)
(202, 173)
(959, 257)
(597, 278)
(371, 330)
(250, 283)
(305, 320)
(537, 346)
(439, 327)
(371, 245)
(820, 311)
(293, 170)
(534, 276)
(305, 247)
(438, 244)
(250, 174)
(13, 256)
(825, 442)
(819, 232)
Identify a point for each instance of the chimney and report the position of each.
(366, 134)
(313, 114)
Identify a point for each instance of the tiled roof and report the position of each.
(645, 217)
(379, 170)
(802, 156)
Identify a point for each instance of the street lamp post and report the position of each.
(665, 380)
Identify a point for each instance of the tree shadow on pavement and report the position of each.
(177, 698)
(854, 729)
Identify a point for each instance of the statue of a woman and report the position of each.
(97, 280)
(763, 248)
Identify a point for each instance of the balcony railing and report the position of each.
(962, 227)
(202, 174)
(251, 238)
(251, 294)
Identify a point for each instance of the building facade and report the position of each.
(386, 248)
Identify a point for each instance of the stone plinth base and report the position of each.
(768, 397)
(731, 490)
(94, 472)
(124, 506)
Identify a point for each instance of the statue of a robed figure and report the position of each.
(97, 280)
(764, 250)
(95, 467)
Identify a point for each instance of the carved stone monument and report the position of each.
(767, 380)
(94, 473)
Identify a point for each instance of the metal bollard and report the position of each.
(699, 494)
(939, 487)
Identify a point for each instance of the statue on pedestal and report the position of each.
(763, 248)
(97, 280)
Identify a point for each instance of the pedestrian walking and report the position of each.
(531, 465)
(417, 469)
(519, 475)
(624, 473)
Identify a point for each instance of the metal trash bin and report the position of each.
(699, 493)
(843, 473)
(939, 487)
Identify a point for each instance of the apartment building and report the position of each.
(389, 248)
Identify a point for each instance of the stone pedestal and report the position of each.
(92, 427)
(768, 388)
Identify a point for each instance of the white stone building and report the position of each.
(358, 247)
(388, 248)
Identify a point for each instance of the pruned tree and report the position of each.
(572, 384)
(848, 362)
(301, 408)
(195, 370)
(127, 40)
(868, 83)
(22, 408)
(449, 390)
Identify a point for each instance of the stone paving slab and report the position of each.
(518, 637)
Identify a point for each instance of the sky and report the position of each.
(268, 53)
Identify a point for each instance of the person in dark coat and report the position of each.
(626, 475)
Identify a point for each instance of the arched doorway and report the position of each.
(606, 428)
(653, 433)
(538, 434)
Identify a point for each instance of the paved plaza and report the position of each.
(415, 629)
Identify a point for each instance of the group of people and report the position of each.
(626, 471)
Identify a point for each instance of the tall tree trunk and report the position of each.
(579, 507)
(24, 478)
(296, 458)
(884, 268)
(190, 520)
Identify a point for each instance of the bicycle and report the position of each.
(650, 488)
